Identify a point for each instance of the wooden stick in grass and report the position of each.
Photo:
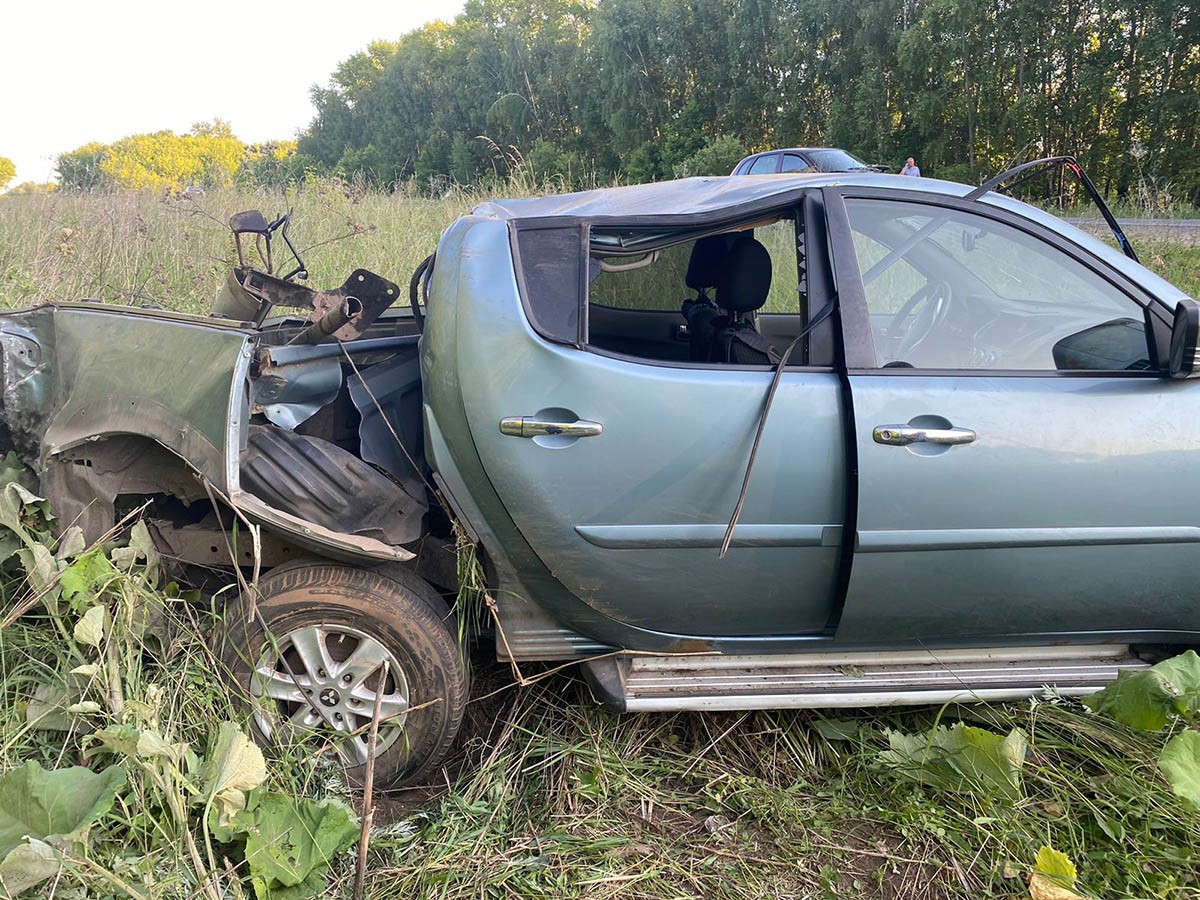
(368, 807)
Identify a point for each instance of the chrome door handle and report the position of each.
(903, 435)
(528, 427)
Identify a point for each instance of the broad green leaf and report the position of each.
(14, 501)
(1056, 865)
(1137, 699)
(290, 842)
(1148, 699)
(961, 758)
(150, 743)
(141, 546)
(47, 709)
(42, 570)
(235, 766)
(90, 629)
(1180, 765)
(60, 803)
(1181, 677)
(28, 865)
(837, 729)
(87, 578)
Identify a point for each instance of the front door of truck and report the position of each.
(627, 507)
(1023, 468)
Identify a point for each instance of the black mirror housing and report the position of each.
(1185, 336)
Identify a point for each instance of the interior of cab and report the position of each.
(958, 291)
(730, 297)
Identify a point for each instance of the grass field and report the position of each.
(547, 794)
(143, 248)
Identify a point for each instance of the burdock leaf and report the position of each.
(1141, 700)
(44, 803)
(87, 577)
(28, 865)
(1180, 765)
(1181, 677)
(290, 842)
(234, 767)
(90, 629)
(961, 758)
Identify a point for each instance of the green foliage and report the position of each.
(290, 843)
(1152, 698)
(44, 813)
(638, 90)
(716, 157)
(1056, 865)
(8, 171)
(79, 169)
(210, 155)
(1149, 698)
(99, 678)
(961, 758)
(1180, 765)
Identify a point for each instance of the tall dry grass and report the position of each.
(143, 248)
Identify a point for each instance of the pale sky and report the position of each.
(73, 72)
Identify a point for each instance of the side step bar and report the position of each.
(815, 680)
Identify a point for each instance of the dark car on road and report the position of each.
(802, 159)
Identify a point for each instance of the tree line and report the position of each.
(650, 89)
(210, 155)
(591, 91)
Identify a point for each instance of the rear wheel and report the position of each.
(316, 671)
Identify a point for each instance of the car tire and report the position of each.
(324, 629)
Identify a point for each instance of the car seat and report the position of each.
(742, 286)
(709, 256)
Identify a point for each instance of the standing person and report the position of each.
(911, 168)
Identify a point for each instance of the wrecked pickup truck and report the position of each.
(730, 443)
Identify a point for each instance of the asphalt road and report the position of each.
(1187, 224)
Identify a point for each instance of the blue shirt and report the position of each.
(914, 171)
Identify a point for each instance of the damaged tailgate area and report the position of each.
(335, 436)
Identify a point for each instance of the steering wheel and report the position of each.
(920, 316)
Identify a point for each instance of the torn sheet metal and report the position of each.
(290, 392)
(388, 398)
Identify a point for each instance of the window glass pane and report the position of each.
(834, 160)
(764, 165)
(794, 163)
(950, 289)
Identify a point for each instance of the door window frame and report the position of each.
(818, 294)
(858, 342)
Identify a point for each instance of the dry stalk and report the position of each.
(368, 810)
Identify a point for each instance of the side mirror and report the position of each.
(249, 222)
(1185, 336)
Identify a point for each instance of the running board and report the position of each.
(816, 680)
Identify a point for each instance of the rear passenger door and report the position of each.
(629, 512)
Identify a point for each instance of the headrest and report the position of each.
(745, 280)
(708, 258)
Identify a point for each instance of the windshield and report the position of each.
(834, 160)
